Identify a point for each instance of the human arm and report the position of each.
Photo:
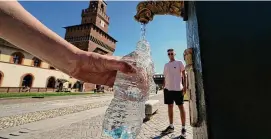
(183, 74)
(23, 30)
(164, 73)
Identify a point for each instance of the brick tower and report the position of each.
(92, 34)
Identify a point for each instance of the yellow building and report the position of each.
(21, 69)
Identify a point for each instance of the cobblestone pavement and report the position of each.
(6, 101)
(19, 114)
(91, 128)
(15, 109)
(10, 121)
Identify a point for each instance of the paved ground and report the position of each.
(6, 101)
(84, 124)
(20, 108)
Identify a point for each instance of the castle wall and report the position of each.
(13, 75)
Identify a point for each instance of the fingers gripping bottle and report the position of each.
(125, 114)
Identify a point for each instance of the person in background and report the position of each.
(174, 90)
(23, 30)
(157, 88)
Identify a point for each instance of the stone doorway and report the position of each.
(51, 82)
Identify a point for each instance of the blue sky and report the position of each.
(163, 32)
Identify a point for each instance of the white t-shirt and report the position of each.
(173, 75)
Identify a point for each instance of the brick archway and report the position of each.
(27, 80)
(17, 58)
(36, 62)
(1, 77)
(51, 82)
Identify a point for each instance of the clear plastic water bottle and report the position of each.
(125, 114)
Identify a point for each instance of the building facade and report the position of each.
(92, 34)
(19, 68)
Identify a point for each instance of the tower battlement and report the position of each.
(92, 34)
(88, 12)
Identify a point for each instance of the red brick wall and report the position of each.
(77, 32)
(98, 23)
(102, 38)
(89, 87)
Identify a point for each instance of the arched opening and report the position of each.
(51, 82)
(79, 86)
(1, 77)
(102, 8)
(60, 87)
(51, 68)
(36, 62)
(76, 85)
(17, 58)
(27, 80)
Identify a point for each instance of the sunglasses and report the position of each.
(170, 54)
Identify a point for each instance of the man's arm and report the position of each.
(184, 81)
(183, 77)
(23, 30)
(20, 28)
(164, 73)
(164, 83)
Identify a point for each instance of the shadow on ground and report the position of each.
(163, 135)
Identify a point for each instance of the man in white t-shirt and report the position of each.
(174, 90)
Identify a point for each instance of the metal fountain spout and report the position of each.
(146, 10)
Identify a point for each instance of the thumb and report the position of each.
(121, 66)
(126, 67)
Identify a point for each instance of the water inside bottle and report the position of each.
(125, 114)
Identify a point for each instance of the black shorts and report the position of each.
(173, 96)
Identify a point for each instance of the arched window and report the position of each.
(102, 8)
(27, 80)
(1, 77)
(51, 67)
(17, 58)
(51, 82)
(36, 62)
(76, 85)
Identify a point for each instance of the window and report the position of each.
(36, 62)
(77, 85)
(51, 67)
(1, 77)
(27, 80)
(102, 8)
(17, 58)
(51, 82)
(102, 23)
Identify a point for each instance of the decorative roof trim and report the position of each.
(94, 26)
(97, 41)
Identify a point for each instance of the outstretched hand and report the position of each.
(99, 69)
(23, 30)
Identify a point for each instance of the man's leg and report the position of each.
(170, 114)
(182, 113)
(168, 99)
(179, 101)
